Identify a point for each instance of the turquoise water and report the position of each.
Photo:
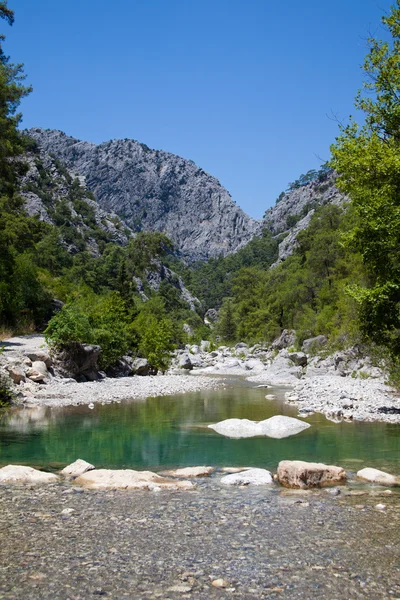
(172, 431)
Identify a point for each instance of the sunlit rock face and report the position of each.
(153, 190)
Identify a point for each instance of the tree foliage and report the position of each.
(367, 158)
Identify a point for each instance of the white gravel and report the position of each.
(68, 392)
(346, 398)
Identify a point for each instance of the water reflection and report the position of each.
(171, 431)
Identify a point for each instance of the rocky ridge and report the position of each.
(53, 194)
(155, 190)
(293, 211)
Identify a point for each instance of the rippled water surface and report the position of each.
(172, 431)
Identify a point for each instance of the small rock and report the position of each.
(376, 476)
(180, 588)
(220, 583)
(16, 373)
(190, 472)
(249, 477)
(77, 468)
(380, 506)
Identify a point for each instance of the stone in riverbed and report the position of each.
(38, 371)
(298, 358)
(40, 355)
(301, 474)
(190, 472)
(278, 426)
(16, 373)
(77, 468)
(249, 477)
(376, 476)
(128, 479)
(22, 474)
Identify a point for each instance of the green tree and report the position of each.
(227, 324)
(367, 158)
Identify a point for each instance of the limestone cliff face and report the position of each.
(293, 212)
(53, 195)
(154, 190)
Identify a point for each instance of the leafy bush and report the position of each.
(6, 395)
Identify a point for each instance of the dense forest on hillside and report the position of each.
(127, 295)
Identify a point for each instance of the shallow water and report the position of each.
(172, 431)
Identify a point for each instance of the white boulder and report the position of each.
(128, 479)
(77, 468)
(22, 474)
(237, 428)
(376, 476)
(278, 427)
(249, 477)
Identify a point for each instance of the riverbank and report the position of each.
(60, 542)
(343, 386)
(70, 393)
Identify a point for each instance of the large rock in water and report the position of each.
(153, 190)
(278, 426)
(376, 476)
(300, 474)
(128, 479)
(22, 474)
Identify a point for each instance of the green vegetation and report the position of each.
(212, 281)
(6, 396)
(367, 160)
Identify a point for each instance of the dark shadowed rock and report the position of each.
(78, 361)
(298, 358)
(314, 344)
(285, 340)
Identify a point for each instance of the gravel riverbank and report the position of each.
(344, 386)
(70, 393)
(59, 542)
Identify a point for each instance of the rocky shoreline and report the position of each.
(343, 386)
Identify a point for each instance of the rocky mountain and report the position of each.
(154, 190)
(293, 211)
(52, 193)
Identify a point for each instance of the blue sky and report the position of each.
(245, 88)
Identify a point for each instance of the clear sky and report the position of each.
(245, 88)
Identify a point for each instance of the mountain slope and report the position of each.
(293, 210)
(154, 190)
